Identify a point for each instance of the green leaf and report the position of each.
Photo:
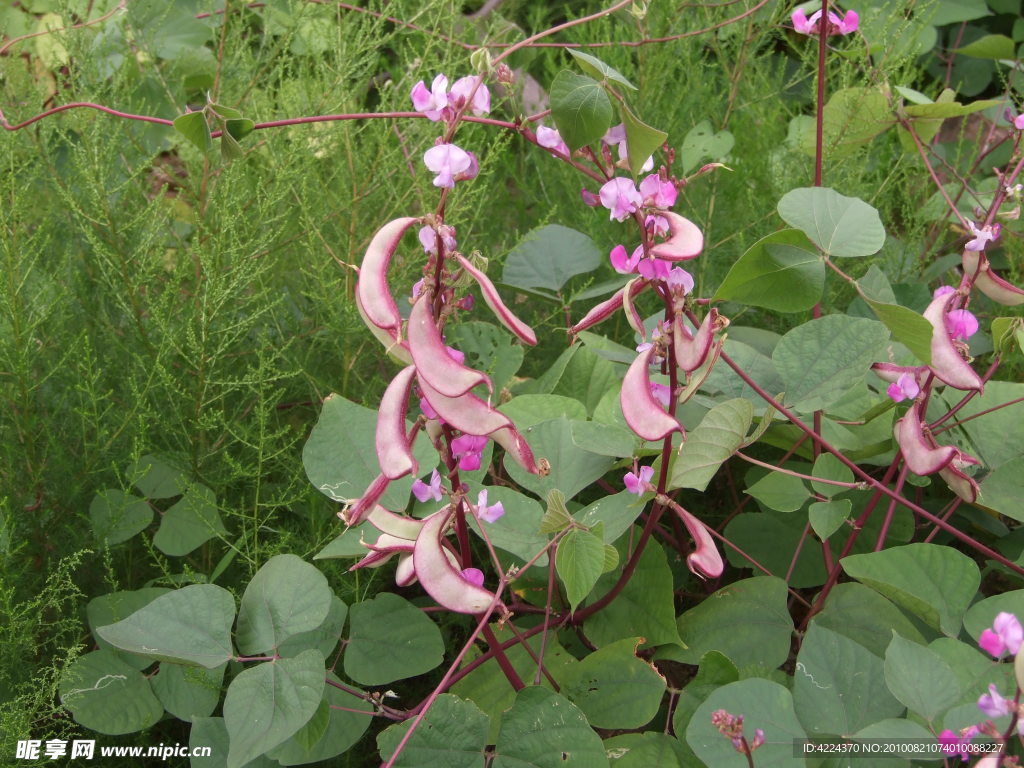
(1007, 335)
(390, 639)
(851, 119)
(452, 733)
(191, 625)
(190, 523)
(718, 436)
(107, 695)
(588, 377)
(598, 70)
(782, 271)
(158, 478)
(865, 616)
(763, 704)
(714, 672)
(828, 467)
(617, 512)
(996, 439)
(116, 516)
(193, 126)
(641, 139)
(286, 596)
(643, 750)
(748, 621)
(827, 517)
(780, 491)
(229, 148)
(545, 730)
(580, 108)
(517, 531)
(489, 688)
(614, 688)
(111, 608)
(529, 410)
(933, 582)
(645, 606)
(557, 517)
(944, 109)
(771, 539)
(954, 11)
(548, 256)
(838, 686)
(188, 692)
(572, 469)
(841, 226)
(989, 47)
(341, 730)
(603, 439)
(170, 30)
(488, 348)
(702, 143)
(324, 637)
(268, 703)
(340, 458)
(222, 111)
(821, 360)
(907, 327)
(579, 561)
(239, 128)
(920, 679)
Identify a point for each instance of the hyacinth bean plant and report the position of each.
(563, 587)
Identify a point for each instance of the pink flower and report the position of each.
(622, 263)
(428, 238)
(657, 224)
(637, 483)
(1006, 634)
(463, 87)
(961, 324)
(447, 160)
(470, 173)
(429, 412)
(474, 576)
(467, 449)
(589, 198)
(422, 491)
(1018, 122)
(992, 704)
(491, 513)
(904, 388)
(658, 193)
(661, 392)
(953, 744)
(679, 281)
(982, 237)
(840, 26)
(654, 269)
(550, 138)
(433, 102)
(621, 197)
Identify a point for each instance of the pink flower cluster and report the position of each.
(449, 162)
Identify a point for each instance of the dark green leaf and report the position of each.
(193, 127)
(452, 734)
(548, 256)
(190, 523)
(580, 107)
(920, 679)
(268, 703)
(717, 437)
(390, 639)
(188, 692)
(545, 730)
(782, 271)
(579, 561)
(934, 582)
(191, 625)
(107, 695)
(614, 688)
(641, 139)
(597, 69)
(116, 516)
